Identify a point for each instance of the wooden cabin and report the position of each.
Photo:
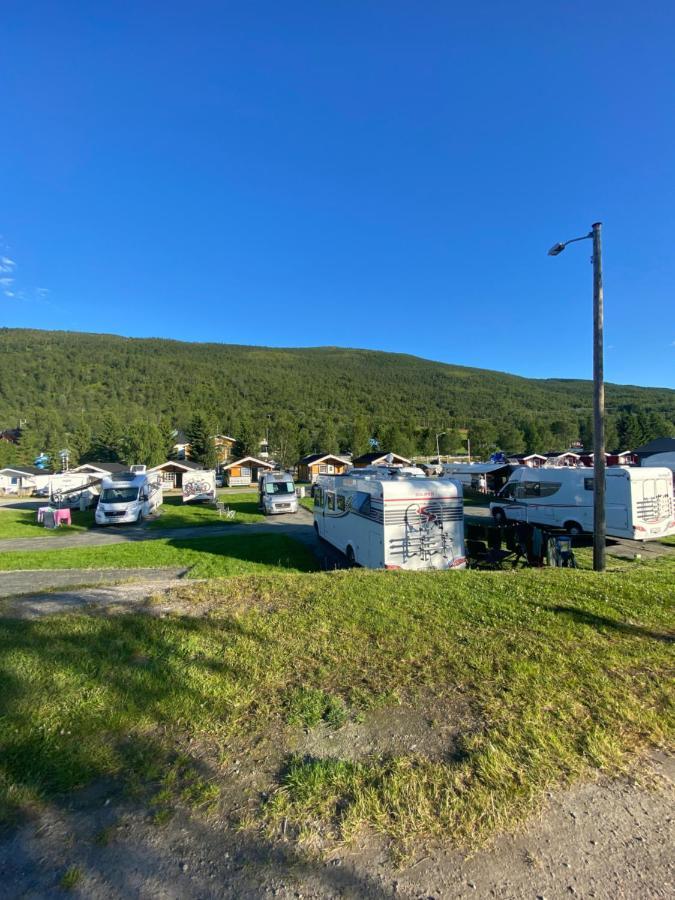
(310, 467)
(245, 471)
(172, 471)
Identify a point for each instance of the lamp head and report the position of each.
(556, 249)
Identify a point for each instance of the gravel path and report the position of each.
(39, 580)
(608, 839)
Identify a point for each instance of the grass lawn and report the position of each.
(22, 523)
(566, 673)
(209, 557)
(176, 514)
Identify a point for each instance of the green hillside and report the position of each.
(71, 381)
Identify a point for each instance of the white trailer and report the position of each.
(128, 497)
(383, 518)
(638, 502)
(199, 485)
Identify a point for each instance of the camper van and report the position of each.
(128, 497)
(381, 517)
(276, 493)
(199, 486)
(638, 502)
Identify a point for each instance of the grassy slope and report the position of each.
(567, 673)
(208, 557)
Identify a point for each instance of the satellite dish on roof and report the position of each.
(389, 458)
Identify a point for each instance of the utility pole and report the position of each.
(600, 527)
(599, 465)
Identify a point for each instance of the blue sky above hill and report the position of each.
(356, 174)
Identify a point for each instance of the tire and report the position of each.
(499, 516)
(574, 529)
(349, 553)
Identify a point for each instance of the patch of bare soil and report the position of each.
(431, 728)
(608, 839)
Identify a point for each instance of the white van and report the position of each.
(128, 497)
(638, 502)
(382, 518)
(276, 493)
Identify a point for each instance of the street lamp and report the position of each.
(599, 524)
(438, 452)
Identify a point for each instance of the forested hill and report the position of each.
(48, 376)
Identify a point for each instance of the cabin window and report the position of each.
(323, 470)
(244, 471)
(331, 500)
(588, 484)
(341, 503)
(318, 497)
(547, 488)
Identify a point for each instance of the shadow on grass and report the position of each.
(593, 620)
(128, 688)
(268, 549)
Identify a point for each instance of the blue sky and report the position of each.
(383, 175)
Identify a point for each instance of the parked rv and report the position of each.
(638, 503)
(128, 497)
(382, 517)
(276, 493)
(199, 485)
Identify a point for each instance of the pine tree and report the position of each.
(202, 446)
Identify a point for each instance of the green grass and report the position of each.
(22, 523)
(208, 557)
(176, 514)
(70, 878)
(566, 673)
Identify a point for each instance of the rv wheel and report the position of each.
(499, 516)
(351, 559)
(573, 528)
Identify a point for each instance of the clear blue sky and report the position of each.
(384, 175)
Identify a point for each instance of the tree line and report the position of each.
(105, 397)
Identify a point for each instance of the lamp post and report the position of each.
(438, 452)
(599, 523)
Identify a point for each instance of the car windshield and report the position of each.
(120, 495)
(279, 487)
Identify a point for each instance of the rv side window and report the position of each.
(547, 488)
(588, 484)
(531, 489)
(318, 497)
(341, 502)
(361, 503)
(331, 500)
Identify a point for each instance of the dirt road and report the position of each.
(607, 840)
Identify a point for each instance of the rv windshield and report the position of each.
(279, 487)
(119, 495)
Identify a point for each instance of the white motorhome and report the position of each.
(382, 517)
(128, 497)
(638, 502)
(199, 485)
(276, 493)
